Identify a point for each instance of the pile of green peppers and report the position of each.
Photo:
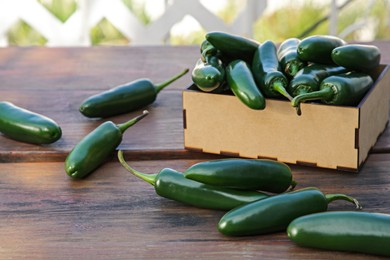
(318, 68)
(258, 198)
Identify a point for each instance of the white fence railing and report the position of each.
(75, 31)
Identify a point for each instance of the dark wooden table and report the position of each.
(44, 214)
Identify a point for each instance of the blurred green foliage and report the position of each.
(283, 23)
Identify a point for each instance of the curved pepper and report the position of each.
(243, 85)
(318, 48)
(357, 57)
(233, 46)
(350, 231)
(309, 78)
(244, 174)
(124, 98)
(275, 213)
(345, 89)
(288, 57)
(26, 126)
(94, 149)
(266, 71)
(173, 185)
(208, 76)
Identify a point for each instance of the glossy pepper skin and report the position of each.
(318, 48)
(345, 89)
(94, 149)
(26, 126)
(309, 78)
(357, 57)
(288, 57)
(244, 174)
(350, 231)
(243, 85)
(233, 46)
(266, 71)
(275, 213)
(124, 98)
(171, 184)
(209, 75)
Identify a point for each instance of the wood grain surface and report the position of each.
(111, 214)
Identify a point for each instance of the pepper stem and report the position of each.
(162, 85)
(150, 178)
(292, 68)
(123, 127)
(332, 197)
(323, 94)
(278, 86)
(293, 185)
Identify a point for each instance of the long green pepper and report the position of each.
(359, 57)
(233, 46)
(288, 57)
(244, 174)
(267, 73)
(26, 126)
(351, 231)
(276, 212)
(124, 98)
(241, 82)
(345, 89)
(172, 184)
(94, 149)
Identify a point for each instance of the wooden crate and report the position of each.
(324, 136)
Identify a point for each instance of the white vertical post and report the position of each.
(333, 18)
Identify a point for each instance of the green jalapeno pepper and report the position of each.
(245, 174)
(345, 89)
(94, 149)
(243, 85)
(275, 213)
(309, 78)
(288, 57)
(26, 126)
(124, 98)
(350, 231)
(233, 46)
(357, 57)
(172, 184)
(318, 48)
(207, 49)
(208, 76)
(266, 71)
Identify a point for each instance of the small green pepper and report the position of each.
(243, 85)
(357, 57)
(245, 174)
(233, 46)
(350, 231)
(94, 149)
(288, 57)
(309, 78)
(345, 89)
(318, 48)
(208, 76)
(266, 71)
(173, 185)
(124, 98)
(207, 49)
(26, 126)
(275, 213)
